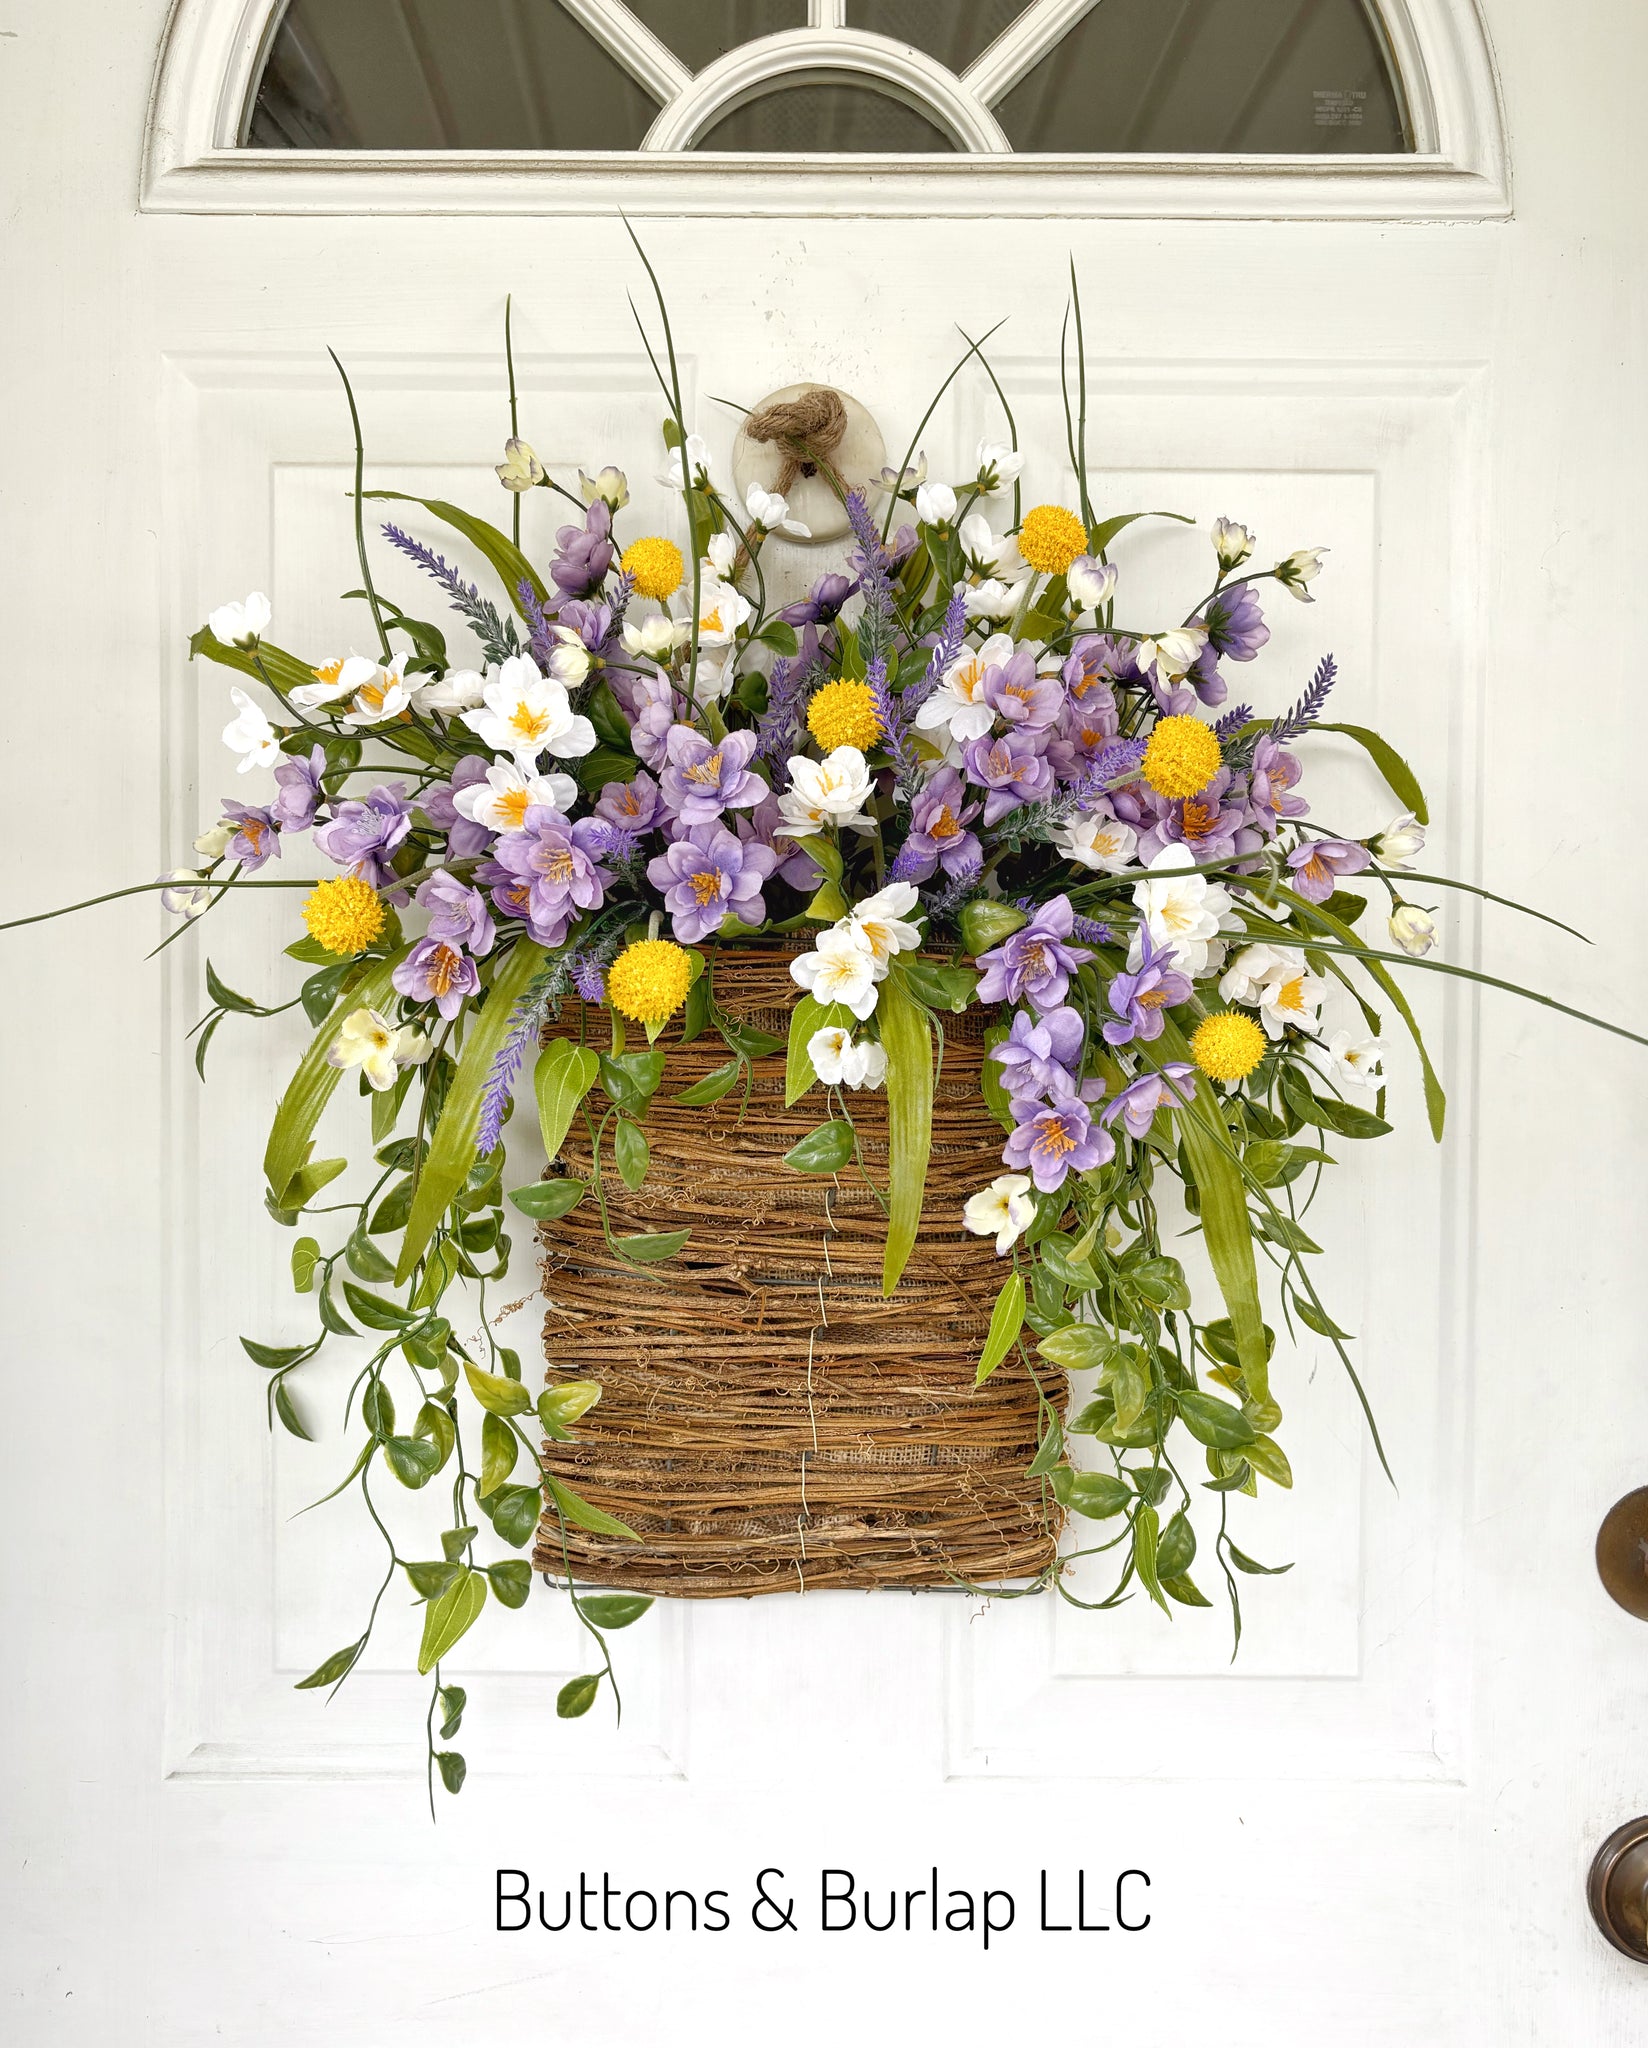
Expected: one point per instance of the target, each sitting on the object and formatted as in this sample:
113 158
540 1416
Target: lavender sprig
537 619
1230 725
946 649
961 885
1309 707
1120 758
875 627
895 730
788 686
496 634
524 1023
1089 930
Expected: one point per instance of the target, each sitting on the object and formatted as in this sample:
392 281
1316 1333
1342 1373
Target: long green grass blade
310 1088
907 1040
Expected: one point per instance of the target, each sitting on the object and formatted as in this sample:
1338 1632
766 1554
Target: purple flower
1318 863
300 791
1041 1058
632 805
1270 785
821 604
586 552
434 972
360 836
1143 993
709 876
1014 769
592 623
795 867
1138 1103
1235 624
1056 1139
457 914
654 715
1204 678
552 856
1210 823
464 837
938 838
1034 961
1098 659
1086 727
1021 698
706 777
258 839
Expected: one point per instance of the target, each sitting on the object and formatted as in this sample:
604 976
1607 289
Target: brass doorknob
1618 1889
1622 1552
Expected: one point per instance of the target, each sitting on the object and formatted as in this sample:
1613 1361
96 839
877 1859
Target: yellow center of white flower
529 724
510 808
711 622
1291 994
370 696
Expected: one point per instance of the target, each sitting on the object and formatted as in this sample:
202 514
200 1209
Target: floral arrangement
955 773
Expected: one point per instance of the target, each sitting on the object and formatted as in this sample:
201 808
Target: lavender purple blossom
496 634
1309 707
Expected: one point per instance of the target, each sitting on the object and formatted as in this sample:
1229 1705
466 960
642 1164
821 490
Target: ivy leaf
564 1075
1215 1423
450 1702
1006 1321
1098 1495
631 1079
513 1511
577 1696
452 1768
614 1610
713 1086
560 1407
392 1212
1244 1563
940 988
632 1152
431 1580
547 1200
336 1667
1078 1348
269 1357
225 997
650 1246
575 1509
1176 1548
365 1260
500 1449
1145 1528
449 1617
289 1414
499 1396
825 1149
414 1460
374 1311
305 1258
511 1581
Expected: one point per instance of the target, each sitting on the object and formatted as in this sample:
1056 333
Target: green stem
360 527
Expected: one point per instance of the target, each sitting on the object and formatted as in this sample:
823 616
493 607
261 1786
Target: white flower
526 714
1401 839
698 461
957 704
460 689
839 1063
501 802
1299 569
992 599
935 504
721 611
1232 543
840 969
240 625
1412 930
880 923
720 552
1172 652
1182 911
520 469
1274 981
1002 1210
1091 582
340 677
907 478
768 510
608 483
657 637
250 734
998 465
1346 1062
373 1044
215 839
385 694
186 902
1094 841
991 553
568 658
833 791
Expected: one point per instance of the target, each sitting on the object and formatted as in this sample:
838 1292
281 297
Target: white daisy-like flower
1004 1210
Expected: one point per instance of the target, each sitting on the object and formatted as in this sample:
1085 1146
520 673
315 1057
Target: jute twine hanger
807 431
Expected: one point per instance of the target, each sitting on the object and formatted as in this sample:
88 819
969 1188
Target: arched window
880 77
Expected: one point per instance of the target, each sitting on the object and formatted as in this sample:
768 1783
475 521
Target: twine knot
808 430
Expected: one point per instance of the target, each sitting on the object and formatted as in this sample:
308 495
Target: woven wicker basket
768 1421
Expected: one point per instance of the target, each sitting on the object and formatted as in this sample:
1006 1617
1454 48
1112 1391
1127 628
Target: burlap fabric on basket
768 1421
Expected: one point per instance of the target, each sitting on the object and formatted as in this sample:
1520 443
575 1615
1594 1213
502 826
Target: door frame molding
212 54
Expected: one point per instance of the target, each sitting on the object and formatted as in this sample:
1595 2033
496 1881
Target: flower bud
1091 582
1412 930
215 838
1300 568
1232 543
520 469
1401 839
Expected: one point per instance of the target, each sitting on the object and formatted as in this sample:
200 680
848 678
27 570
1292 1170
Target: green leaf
500 1448
338 1665
288 1413
321 991
271 1357
365 1259
414 1460
513 1511
1269 1460
713 1086
1078 1348
496 1394
575 1509
1097 1495
1049 1454
1244 1563
746 1039
1145 1528
511 1580
907 1041
450 1702
393 1210
512 566
564 1075
1179 1586
310 1088
940 988
992 1084
1313 1319
452 1769
378 1409
374 1311
1176 1548
305 1258
452 1154
1161 1281
807 1019
331 1315
1215 1423
632 1152
1100 536
648 1247
985 924
1006 1321
225 996
434 1423
308 1181
560 1407
825 1149
1404 784
546 1200
630 1079
577 1696
432 1579
614 1610
1226 1230
449 1617
1275 1165
1128 1383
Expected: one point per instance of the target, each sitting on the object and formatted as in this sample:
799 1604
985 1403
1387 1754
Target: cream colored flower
520 469
240 625
823 793
839 969
1003 1210
380 1049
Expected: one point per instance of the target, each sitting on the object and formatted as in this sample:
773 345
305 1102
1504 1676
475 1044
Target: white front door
1374 1826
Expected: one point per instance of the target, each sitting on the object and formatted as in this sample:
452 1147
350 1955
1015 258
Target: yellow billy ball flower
1050 538
344 914
1182 757
656 565
844 714
1227 1046
648 982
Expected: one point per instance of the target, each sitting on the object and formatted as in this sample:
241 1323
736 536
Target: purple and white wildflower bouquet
954 773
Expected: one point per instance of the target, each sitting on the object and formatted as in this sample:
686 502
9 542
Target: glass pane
699 31
846 116
1274 77
443 74
953 31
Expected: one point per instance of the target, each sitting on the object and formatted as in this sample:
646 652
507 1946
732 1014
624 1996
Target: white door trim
213 50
